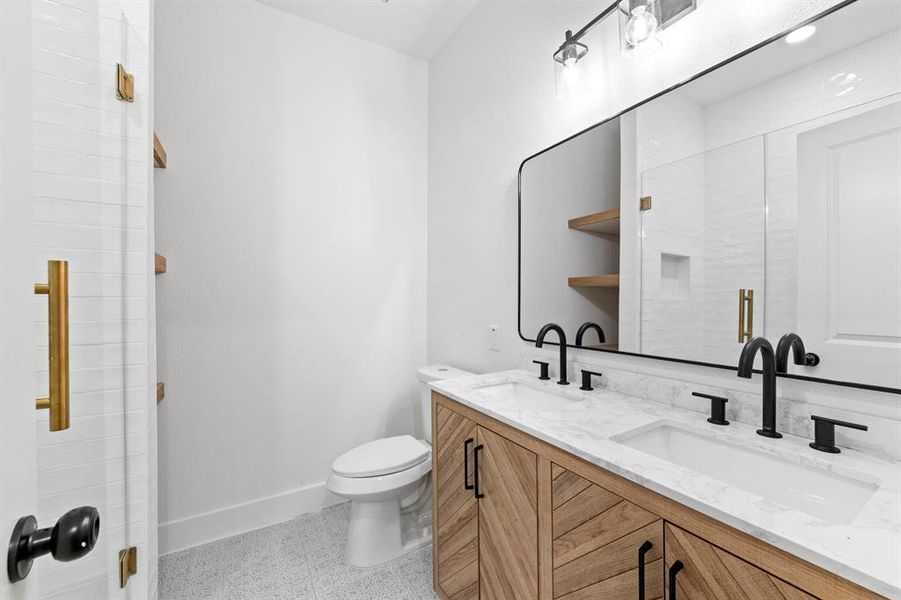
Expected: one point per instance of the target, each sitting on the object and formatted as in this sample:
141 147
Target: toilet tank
427 375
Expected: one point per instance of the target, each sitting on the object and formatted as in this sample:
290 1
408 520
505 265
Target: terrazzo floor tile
301 559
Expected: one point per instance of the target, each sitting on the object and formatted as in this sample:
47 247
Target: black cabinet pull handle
645 548
475 468
466 484
673 571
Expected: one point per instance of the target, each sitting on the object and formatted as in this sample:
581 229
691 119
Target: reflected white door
849 298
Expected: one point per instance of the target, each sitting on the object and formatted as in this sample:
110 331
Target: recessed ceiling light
800 34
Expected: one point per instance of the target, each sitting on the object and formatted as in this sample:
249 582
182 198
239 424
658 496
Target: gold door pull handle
745 315
57 291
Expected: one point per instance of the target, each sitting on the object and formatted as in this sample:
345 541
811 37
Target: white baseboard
240 518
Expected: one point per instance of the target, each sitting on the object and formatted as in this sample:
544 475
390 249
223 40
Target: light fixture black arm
577 35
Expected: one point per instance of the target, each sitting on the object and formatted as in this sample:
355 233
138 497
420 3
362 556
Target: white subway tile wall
93 207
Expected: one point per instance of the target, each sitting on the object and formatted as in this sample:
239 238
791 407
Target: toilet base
374 536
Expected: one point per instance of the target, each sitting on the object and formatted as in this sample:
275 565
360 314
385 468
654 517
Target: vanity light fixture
639 28
640 23
800 34
568 73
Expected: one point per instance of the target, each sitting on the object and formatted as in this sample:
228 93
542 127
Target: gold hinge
128 565
125 84
644 203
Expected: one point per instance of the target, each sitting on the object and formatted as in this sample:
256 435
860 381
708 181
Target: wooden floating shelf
611 346
606 222
595 281
159 153
160 392
159 263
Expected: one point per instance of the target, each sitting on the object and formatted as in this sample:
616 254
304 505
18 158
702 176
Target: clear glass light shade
639 25
571 80
568 70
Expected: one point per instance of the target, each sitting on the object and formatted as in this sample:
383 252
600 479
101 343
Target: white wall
492 103
293 216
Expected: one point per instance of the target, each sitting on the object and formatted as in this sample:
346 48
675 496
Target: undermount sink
834 497
525 397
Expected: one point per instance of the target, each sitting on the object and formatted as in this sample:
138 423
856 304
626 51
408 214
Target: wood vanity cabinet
604 546
486 511
550 526
705 572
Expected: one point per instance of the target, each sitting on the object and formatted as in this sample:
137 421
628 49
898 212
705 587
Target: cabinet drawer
711 573
597 541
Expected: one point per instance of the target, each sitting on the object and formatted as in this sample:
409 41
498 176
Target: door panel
597 536
710 573
17 414
457 510
849 193
508 519
89 207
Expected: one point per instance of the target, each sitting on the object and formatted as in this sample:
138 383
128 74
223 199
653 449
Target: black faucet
560 334
584 329
746 368
800 356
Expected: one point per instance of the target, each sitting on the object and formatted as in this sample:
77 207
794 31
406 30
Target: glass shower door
89 160
703 240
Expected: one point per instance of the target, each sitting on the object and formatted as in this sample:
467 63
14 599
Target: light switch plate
494 338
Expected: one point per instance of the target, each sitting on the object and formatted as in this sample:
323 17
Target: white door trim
17 412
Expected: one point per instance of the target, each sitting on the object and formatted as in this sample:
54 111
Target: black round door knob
74 535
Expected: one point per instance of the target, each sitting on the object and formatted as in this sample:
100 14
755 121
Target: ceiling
415 27
852 25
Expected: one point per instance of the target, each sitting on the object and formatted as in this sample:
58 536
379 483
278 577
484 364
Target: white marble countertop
867 551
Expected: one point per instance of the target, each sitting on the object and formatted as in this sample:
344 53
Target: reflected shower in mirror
761 198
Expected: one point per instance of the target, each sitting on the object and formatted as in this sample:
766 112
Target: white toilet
388 482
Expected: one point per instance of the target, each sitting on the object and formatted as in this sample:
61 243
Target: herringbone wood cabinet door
508 520
597 536
457 510
710 573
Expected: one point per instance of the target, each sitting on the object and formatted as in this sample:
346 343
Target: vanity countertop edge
866 551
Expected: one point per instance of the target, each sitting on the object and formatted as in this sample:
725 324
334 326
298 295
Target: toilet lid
382 457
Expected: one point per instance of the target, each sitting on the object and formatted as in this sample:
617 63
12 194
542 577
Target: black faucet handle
811 359
824 433
544 369
717 408
586 379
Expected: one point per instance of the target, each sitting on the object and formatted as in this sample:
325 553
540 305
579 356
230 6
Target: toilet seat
382 457
395 485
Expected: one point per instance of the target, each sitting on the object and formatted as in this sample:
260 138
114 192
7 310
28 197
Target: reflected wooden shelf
595 281
160 392
611 346
159 153
159 263
606 222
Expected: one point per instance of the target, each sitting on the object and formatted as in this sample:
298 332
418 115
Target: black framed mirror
759 197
